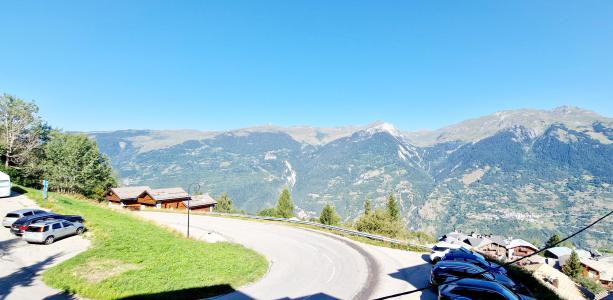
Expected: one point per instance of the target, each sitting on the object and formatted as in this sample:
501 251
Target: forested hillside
531 172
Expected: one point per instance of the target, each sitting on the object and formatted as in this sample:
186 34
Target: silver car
13 216
49 231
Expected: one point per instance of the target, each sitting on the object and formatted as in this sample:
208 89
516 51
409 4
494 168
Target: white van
5 185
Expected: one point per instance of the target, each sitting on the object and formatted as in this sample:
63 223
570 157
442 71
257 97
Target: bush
268 212
379 222
590 284
329 216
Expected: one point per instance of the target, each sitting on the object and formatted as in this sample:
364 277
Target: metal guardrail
329 227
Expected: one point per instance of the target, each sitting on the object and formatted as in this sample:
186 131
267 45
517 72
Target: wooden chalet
203 203
495 246
170 198
520 248
599 271
125 196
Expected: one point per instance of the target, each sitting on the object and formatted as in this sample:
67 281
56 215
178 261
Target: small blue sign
45 187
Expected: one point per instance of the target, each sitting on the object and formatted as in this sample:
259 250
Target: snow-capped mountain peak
383 127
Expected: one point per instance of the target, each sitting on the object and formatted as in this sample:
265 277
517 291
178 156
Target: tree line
31 150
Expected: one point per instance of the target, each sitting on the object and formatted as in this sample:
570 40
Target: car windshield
12 215
437 248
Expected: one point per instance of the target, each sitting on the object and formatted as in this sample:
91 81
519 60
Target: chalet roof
560 251
478 242
583 253
514 243
456 235
166 194
455 241
128 192
605 269
496 239
200 200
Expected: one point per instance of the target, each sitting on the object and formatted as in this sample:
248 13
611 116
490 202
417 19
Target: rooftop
129 192
166 194
200 200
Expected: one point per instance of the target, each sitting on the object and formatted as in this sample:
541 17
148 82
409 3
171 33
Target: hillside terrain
525 173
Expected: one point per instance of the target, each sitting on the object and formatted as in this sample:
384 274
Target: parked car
450 270
48 232
13 216
477 289
440 249
20 225
474 258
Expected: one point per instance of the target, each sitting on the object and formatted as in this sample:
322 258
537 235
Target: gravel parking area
21 264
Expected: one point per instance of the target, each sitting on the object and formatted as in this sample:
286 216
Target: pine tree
285 206
393 210
329 216
554 239
224 204
367 207
573 267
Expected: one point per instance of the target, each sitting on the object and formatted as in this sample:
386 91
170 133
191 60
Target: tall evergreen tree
224 204
329 216
367 207
285 206
554 239
573 267
393 210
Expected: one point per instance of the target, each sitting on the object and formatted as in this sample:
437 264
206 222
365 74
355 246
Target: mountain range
526 173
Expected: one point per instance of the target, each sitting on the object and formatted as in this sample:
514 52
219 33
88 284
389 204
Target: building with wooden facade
170 198
520 248
600 271
493 246
203 203
125 196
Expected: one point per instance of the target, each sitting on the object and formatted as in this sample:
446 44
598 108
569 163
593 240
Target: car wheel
80 230
49 240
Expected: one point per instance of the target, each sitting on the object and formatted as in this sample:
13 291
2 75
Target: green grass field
133 258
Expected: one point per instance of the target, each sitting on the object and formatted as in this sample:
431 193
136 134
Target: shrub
329 216
590 284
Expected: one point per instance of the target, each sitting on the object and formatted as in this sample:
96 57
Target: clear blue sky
102 65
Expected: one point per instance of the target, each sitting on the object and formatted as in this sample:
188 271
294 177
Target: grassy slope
155 262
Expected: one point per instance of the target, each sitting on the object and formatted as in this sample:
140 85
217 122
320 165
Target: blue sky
104 65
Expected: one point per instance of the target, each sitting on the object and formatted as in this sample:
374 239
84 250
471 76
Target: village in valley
547 267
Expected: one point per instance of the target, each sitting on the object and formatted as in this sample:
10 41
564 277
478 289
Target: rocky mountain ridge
535 169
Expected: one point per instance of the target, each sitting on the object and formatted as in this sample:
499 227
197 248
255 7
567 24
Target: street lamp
196 187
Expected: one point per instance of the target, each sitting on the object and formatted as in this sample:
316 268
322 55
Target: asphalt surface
310 264
21 264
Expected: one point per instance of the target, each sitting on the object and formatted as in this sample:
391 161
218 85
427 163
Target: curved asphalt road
310 264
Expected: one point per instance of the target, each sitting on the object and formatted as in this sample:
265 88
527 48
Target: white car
440 249
13 216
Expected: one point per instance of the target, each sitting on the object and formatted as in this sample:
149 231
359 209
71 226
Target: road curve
309 264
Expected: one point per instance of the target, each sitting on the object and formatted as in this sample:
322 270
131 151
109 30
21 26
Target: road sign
45 187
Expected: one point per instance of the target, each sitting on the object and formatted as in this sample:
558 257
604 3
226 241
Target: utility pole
196 187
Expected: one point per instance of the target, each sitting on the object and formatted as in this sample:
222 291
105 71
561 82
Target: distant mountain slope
535 120
526 172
